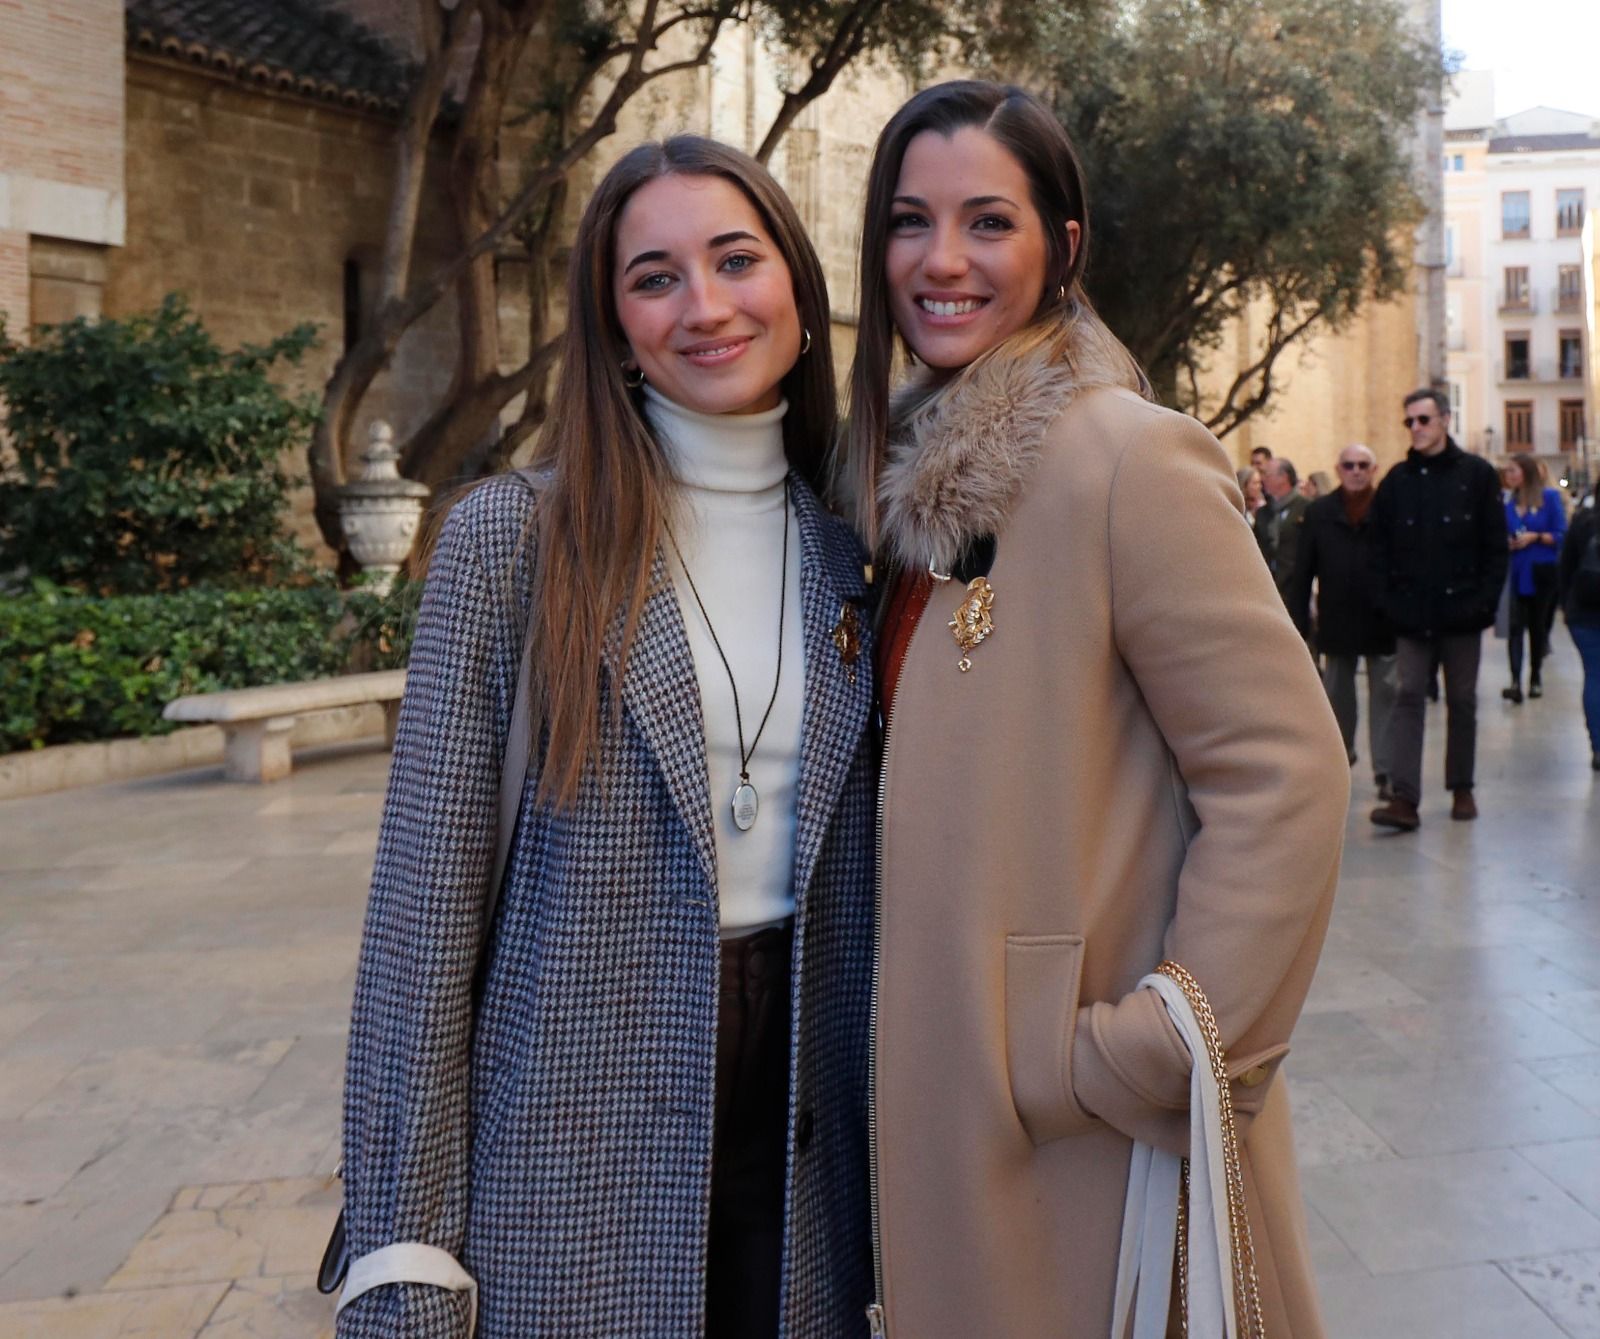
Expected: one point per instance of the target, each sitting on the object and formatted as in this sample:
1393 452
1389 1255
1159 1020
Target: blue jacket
1548 518
559 1143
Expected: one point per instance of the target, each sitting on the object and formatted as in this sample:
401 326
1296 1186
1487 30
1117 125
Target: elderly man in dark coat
1347 623
1279 521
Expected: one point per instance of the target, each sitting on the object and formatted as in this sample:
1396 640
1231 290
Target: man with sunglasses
1438 560
1335 544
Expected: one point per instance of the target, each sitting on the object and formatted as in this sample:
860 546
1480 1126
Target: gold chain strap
1246 1286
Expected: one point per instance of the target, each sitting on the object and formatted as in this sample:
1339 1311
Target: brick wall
251 205
14 283
61 91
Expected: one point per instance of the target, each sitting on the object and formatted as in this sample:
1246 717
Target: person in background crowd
1439 558
1260 458
1536 521
1315 485
1578 586
1347 624
1279 520
1250 485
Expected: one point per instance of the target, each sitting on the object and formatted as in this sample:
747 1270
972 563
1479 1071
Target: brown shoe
1398 814
1465 808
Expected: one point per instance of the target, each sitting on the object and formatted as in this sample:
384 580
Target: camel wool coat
1140 764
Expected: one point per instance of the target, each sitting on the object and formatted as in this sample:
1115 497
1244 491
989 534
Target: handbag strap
1194 1205
410 1262
519 747
513 777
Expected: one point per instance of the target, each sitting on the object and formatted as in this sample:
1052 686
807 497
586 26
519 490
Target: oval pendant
745 803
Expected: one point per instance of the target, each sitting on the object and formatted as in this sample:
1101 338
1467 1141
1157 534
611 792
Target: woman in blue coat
1536 521
634 1105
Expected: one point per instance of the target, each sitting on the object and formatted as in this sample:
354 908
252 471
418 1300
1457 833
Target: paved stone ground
176 959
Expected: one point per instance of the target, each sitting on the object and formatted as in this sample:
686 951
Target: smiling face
703 296
967 253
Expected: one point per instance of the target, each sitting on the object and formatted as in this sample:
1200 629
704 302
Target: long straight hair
601 513
1064 318
1530 493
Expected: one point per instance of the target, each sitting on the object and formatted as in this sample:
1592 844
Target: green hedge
76 668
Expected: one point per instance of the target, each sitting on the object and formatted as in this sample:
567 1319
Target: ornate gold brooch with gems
846 636
974 623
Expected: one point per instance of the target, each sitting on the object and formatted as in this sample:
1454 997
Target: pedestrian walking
1438 562
652 1123
1097 718
1578 584
1250 486
1342 611
1279 522
1536 522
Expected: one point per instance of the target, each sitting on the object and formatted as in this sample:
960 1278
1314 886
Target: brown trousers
744 1271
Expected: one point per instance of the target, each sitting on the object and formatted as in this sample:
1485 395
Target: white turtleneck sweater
729 529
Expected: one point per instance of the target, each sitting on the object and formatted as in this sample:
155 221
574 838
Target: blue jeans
1587 640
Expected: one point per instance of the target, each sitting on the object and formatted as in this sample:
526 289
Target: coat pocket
1042 982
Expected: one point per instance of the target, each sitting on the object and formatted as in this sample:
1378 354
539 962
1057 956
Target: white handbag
1193 1206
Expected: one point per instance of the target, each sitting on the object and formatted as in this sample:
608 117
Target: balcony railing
1533 372
1522 304
1566 300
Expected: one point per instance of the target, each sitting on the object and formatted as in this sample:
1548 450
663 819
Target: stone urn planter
380 511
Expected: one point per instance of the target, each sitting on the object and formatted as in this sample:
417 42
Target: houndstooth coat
559 1144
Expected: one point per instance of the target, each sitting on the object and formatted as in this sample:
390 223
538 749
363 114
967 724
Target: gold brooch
973 623
847 638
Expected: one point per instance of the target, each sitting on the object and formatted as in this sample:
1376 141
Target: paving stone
159 1313
1566 1287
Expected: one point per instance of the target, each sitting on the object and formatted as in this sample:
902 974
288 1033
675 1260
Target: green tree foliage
145 458
549 81
1244 152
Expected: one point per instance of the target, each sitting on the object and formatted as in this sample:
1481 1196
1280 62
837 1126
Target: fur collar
958 455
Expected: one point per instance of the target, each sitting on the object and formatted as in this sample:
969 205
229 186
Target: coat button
1255 1076
804 1128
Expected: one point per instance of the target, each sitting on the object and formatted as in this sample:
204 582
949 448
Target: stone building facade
1519 191
62 193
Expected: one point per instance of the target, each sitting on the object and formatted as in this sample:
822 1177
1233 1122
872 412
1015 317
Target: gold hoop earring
805 346
632 377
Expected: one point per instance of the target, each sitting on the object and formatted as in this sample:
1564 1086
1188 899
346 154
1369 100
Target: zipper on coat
876 1321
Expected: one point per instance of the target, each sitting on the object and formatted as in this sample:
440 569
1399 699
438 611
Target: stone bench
256 721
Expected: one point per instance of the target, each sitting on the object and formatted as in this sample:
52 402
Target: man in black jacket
1333 553
1438 561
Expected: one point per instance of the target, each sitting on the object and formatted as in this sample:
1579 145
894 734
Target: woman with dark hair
632 1103
1106 752
1578 583
1536 521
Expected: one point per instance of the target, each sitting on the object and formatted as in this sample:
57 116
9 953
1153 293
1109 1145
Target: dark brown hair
1441 401
1530 492
1025 128
600 515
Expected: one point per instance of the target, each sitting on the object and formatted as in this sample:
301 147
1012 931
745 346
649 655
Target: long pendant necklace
746 802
